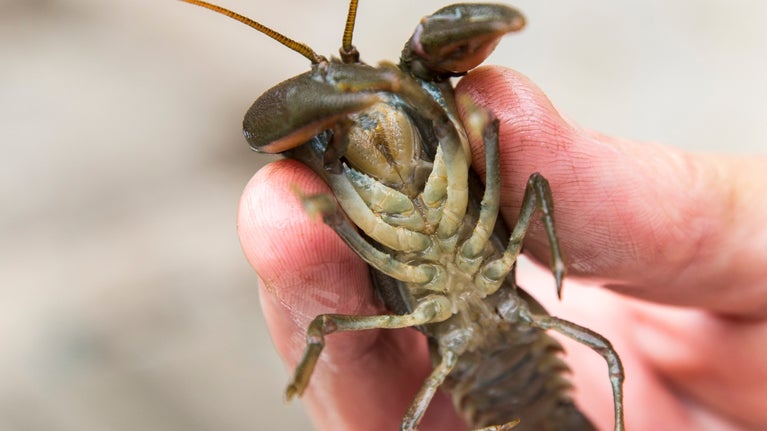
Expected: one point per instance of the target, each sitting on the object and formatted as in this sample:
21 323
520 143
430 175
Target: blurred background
125 302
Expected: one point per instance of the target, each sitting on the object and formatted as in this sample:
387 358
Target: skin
675 241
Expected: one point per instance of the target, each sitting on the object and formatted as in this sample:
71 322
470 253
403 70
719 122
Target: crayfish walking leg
537 196
598 343
431 309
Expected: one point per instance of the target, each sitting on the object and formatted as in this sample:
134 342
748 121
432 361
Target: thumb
654 222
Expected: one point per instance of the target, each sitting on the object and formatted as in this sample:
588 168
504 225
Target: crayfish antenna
296 46
349 53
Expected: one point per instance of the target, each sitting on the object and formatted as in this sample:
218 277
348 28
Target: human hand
653 224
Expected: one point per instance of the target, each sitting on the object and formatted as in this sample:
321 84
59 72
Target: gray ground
125 303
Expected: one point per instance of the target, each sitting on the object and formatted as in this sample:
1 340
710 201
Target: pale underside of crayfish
389 142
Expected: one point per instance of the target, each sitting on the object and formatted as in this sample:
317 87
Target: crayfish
388 141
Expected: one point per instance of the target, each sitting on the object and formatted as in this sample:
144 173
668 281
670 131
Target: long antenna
349 53
298 47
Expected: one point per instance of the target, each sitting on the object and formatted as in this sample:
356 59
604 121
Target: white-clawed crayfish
389 142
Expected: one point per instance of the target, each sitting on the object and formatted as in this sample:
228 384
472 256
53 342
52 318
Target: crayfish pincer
389 142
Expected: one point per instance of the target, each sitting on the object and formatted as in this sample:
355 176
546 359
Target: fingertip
634 213
306 270
269 212
511 96
300 261
533 136
590 176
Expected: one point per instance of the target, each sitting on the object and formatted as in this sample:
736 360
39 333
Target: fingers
658 223
364 380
